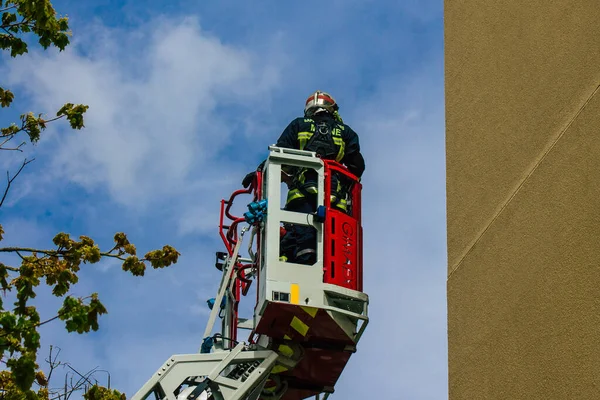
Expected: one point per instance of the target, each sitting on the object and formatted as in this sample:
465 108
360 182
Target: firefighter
322 131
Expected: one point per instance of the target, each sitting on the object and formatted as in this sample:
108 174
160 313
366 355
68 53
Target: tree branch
9 137
35 325
13 269
7 32
7 8
15 24
29 250
80 382
46 321
24 126
52 362
18 148
10 180
56 253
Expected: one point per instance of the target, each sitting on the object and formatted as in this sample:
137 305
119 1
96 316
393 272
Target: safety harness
325 140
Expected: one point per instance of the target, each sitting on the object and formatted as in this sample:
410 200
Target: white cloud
156 98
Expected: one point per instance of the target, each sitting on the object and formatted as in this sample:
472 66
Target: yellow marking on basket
294 293
310 310
299 326
278 369
285 350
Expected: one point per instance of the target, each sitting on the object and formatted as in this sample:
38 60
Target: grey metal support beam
225 281
227 375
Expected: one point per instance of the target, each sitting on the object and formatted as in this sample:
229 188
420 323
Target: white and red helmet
320 101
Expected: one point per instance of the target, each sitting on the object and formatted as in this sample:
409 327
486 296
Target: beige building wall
523 205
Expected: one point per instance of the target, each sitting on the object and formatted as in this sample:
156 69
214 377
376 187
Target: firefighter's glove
248 179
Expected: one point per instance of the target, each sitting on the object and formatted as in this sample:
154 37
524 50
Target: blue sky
184 100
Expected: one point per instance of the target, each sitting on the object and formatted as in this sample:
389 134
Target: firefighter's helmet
319 101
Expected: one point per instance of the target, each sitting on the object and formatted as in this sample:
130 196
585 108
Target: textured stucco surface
523 199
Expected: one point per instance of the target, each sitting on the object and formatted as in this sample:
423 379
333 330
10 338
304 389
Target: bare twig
7 8
107 373
18 148
81 380
7 32
70 387
52 362
53 119
10 180
8 138
47 321
20 256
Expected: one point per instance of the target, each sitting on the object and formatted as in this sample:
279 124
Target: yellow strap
293 195
303 138
338 141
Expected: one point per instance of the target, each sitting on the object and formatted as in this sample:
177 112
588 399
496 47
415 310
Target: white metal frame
209 371
348 307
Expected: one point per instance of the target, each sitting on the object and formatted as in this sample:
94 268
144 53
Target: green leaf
8 18
91 254
121 239
15 44
101 393
62 240
23 369
11 130
6 97
33 126
63 24
31 339
74 114
3 278
80 317
8 321
134 265
162 258
61 41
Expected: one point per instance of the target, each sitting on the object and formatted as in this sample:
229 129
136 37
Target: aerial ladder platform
307 319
